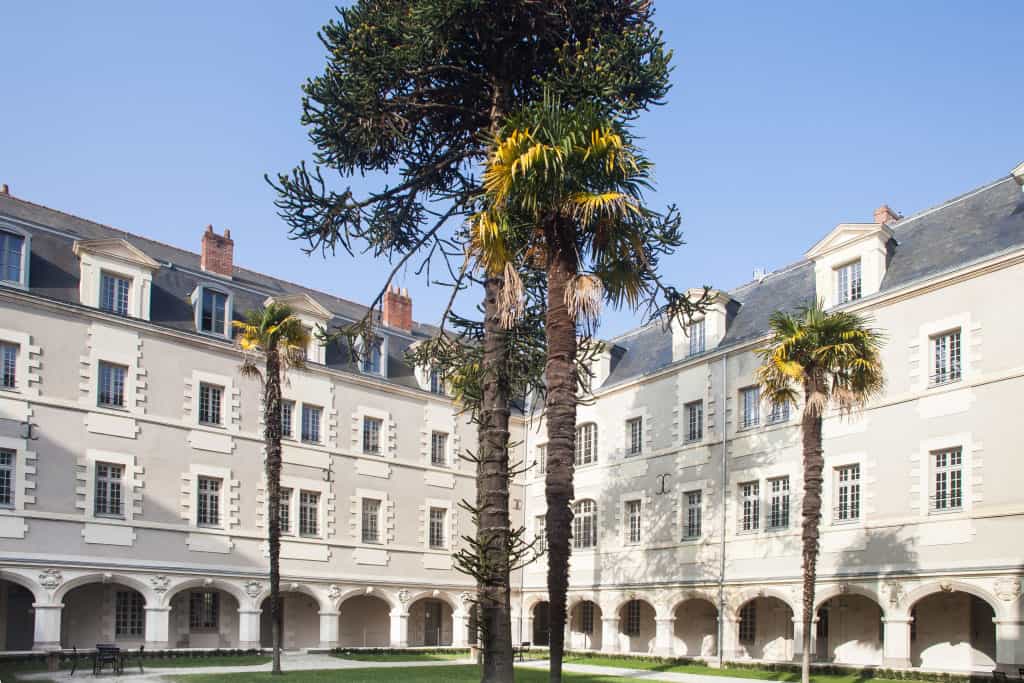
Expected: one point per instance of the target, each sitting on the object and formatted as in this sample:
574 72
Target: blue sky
784 119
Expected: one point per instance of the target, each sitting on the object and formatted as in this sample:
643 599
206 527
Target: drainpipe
725 493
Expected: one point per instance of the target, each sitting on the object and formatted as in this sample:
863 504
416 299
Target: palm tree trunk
814 463
272 437
493 533
560 378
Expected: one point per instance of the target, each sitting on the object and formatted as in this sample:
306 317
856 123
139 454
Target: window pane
208 502
439 449
371 520
694 421
214 312
110 391
437 521
635 431
311 423
107 498
8 365
751 398
8 458
696 334
114 293
309 513
210 397
371 435
287 408
11 247
284 511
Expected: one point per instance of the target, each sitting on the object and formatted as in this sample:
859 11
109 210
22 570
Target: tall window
696 333
8 365
309 513
632 626
108 500
284 511
748 623
371 435
779 413
750 498
204 611
848 493
439 449
633 519
373 357
584 524
114 293
436 381
210 399
110 392
437 520
540 532
778 503
694 421
8 460
848 283
946 354
948 475
287 411
129 613
587 617
311 423
693 515
586 444
635 431
11 248
208 502
750 400
542 459
213 314
371 520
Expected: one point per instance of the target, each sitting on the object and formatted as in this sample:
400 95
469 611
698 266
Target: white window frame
586 452
26 250
749 507
633 514
26 369
947 467
102 475
311 409
584 536
207 494
382 371
381 522
197 305
849 281
304 516
285 508
289 419
221 391
386 439
437 529
779 413
693 508
229 400
697 337
691 436
368 436
117 278
635 436
447 506
925 465
228 510
131 494
439 448
126 397
748 419
9 472
848 501
946 351
9 375
540 460
779 507
540 532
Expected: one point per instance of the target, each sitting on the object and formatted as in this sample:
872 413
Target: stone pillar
609 634
328 629
1009 644
518 634
47 634
798 639
158 620
663 636
896 651
528 629
730 638
249 629
399 628
460 629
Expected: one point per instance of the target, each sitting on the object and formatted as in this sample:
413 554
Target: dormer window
213 312
851 260
115 276
696 333
436 381
114 293
373 358
313 316
12 258
848 282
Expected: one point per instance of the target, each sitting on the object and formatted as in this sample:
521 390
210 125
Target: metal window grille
11 247
208 502
693 514
848 493
696 333
946 368
8 460
586 444
371 435
584 524
210 397
632 618
287 410
213 316
111 387
748 623
437 535
635 428
587 617
114 293
309 513
439 449
204 611
779 413
947 469
129 614
284 511
371 520
540 525
751 398
694 421
848 282
8 365
778 503
372 357
750 494
311 423
108 499
633 515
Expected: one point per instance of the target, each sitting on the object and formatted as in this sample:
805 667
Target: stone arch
695 626
39 594
636 634
323 602
434 616
837 590
143 589
244 600
949 586
740 598
300 617
443 596
667 609
90 608
532 600
577 598
350 593
620 601
953 627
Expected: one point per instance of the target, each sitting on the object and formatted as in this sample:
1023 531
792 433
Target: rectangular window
204 611
778 503
748 623
108 499
11 247
129 613
847 493
437 520
779 413
635 429
540 532
948 475
8 460
693 515
372 358
750 400
750 498
587 616
694 421
436 381
542 460
309 513
110 392
696 333
287 410
284 511
633 518
848 283
213 315
371 435
946 354
210 398
371 520
439 449
208 502
586 444
8 365
632 626
114 293
311 423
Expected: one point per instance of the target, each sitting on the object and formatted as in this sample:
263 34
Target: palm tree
833 357
563 195
282 339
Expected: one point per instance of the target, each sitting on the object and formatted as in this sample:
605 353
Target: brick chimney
884 214
398 309
218 252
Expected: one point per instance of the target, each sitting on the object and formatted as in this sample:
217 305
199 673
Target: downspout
725 493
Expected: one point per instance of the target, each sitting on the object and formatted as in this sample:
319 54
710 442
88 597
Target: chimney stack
398 309
884 214
218 252
5 190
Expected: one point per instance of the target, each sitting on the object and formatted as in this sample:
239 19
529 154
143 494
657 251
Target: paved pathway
642 674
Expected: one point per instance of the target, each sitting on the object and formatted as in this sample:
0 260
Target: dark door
432 623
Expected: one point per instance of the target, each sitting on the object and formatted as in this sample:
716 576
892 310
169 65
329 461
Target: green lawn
188 662
431 674
403 656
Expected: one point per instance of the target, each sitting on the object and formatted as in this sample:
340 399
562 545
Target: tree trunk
560 377
272 438
494 594
814 462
